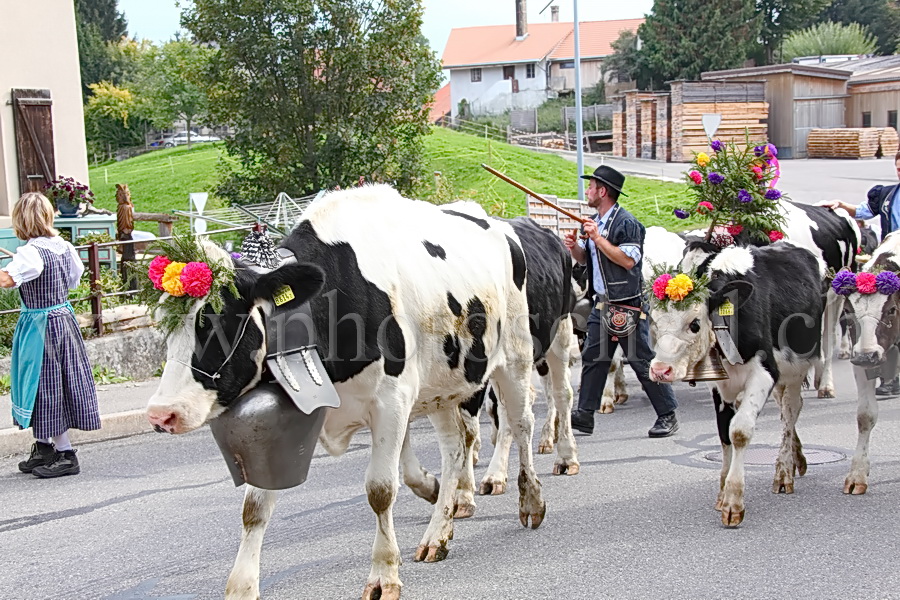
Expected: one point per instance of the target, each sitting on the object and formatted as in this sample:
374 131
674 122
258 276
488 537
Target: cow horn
708 369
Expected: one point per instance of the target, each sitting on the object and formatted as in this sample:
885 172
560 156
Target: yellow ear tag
726 309
283 294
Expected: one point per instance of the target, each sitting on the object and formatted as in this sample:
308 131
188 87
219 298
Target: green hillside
160 181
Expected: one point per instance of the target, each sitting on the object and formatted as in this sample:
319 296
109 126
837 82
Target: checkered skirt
66 396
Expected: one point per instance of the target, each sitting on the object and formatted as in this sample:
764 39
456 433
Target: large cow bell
708 369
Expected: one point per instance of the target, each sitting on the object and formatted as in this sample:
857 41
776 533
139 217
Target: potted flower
67 195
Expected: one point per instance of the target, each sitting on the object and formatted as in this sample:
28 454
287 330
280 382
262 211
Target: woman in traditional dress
52 383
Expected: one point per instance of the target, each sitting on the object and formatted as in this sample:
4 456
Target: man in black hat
612 251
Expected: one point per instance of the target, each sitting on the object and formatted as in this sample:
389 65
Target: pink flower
197 278
865 283
775 235
156 270
706 205
735 229
758 171
659 286
696 177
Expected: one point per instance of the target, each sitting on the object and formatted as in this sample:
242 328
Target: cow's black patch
724 414
480 222
475 363
435 250
830 234
452 350
473 405
455 306
393 347
518 262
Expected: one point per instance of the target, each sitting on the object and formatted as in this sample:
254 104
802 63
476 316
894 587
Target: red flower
696 177
758 171
156 270
775 235
735 229
659 286
705 205
196 278
865 283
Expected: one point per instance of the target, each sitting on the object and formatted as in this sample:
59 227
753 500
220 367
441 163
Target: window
568 64
509 72
529 74
867 119
476 75
892 119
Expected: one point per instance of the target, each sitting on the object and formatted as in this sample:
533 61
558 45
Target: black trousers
597 356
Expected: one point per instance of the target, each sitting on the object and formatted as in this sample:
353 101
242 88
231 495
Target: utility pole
579 125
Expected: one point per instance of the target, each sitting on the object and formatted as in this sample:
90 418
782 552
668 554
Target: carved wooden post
96 290
124 227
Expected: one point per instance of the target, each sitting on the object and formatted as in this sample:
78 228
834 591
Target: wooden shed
800 98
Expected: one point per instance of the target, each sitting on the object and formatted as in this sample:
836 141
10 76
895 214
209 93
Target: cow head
211 359
876 327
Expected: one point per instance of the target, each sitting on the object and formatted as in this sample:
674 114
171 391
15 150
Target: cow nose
164 420
661 373
866 359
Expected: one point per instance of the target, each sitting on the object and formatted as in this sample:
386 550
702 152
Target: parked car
179 139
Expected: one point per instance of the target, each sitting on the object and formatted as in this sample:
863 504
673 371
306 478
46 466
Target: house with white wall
41 112
507 67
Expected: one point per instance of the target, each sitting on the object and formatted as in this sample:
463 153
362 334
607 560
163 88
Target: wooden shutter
34 138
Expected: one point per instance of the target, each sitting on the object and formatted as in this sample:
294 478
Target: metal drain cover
767 455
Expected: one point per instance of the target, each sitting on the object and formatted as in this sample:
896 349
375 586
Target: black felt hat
608 176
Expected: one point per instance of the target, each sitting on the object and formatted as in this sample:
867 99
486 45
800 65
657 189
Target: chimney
554 14
521 20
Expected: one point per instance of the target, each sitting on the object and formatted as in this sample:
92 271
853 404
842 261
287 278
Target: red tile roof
497 44
441 104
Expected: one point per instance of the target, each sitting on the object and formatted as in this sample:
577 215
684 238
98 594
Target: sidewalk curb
15 441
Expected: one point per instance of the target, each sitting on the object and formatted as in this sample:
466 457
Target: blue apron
27 360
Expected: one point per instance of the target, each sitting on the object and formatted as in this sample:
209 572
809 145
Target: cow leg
550 430
451 436
422 483
558 388
516 396
465 490
382 481
615 391
243 582
789 399
824 380
724 414
866 417
846 342
755 391
495 478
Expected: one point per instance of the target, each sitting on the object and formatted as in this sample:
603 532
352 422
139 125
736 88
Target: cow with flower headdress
873 296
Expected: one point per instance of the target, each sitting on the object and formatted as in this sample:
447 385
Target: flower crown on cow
673 290
734 189
181 275
865 282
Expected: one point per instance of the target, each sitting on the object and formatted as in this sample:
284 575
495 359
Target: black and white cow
875 329
777 291
421 307
834 238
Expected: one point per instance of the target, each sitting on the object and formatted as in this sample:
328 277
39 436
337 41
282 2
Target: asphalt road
156 516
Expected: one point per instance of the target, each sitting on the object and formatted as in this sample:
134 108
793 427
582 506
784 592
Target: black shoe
66 463
665 426
888 388
42 454
583 421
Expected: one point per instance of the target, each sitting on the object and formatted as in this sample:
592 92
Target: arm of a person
853 210
579 254
5 280
76 268
614 253
25 266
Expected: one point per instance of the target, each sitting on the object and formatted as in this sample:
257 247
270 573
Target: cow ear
737 291
290 285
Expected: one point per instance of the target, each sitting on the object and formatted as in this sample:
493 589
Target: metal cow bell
268 436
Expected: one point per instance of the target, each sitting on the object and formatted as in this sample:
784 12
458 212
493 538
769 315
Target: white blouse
27 264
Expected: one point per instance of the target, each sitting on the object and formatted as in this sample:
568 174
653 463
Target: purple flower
235 255
715 178
744 196
759 150
887 283
844 283
717 146
772 150
773 194
681 214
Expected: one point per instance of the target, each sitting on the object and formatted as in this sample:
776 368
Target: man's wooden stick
515 183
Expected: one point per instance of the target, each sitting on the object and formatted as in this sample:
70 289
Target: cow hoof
826 393
855 488
464 511
545 447
432 554
782 487
606 409
563 467
492 488
375 591
431 496
843 355
536 518
621 399
731 516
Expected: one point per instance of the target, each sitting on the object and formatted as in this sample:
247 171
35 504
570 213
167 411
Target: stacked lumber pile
620 139
739 119
890 142
861 142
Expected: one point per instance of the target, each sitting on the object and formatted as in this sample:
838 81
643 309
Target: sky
157 20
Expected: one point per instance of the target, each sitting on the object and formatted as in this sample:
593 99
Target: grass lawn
160 181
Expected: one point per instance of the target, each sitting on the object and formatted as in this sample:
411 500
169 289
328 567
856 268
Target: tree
683 38
882 17
779 19
103 16
627 62
829 38
320 92
111 119
98 23
168 83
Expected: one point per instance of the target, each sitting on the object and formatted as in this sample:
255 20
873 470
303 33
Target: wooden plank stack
861 142
890 142
739 119
554 220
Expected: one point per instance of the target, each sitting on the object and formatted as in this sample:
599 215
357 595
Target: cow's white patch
661 248
733 261
693 259
677 347
890 246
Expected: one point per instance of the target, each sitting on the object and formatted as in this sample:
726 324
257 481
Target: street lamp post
579 124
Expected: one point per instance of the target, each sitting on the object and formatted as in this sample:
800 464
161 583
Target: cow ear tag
726 309
283 295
